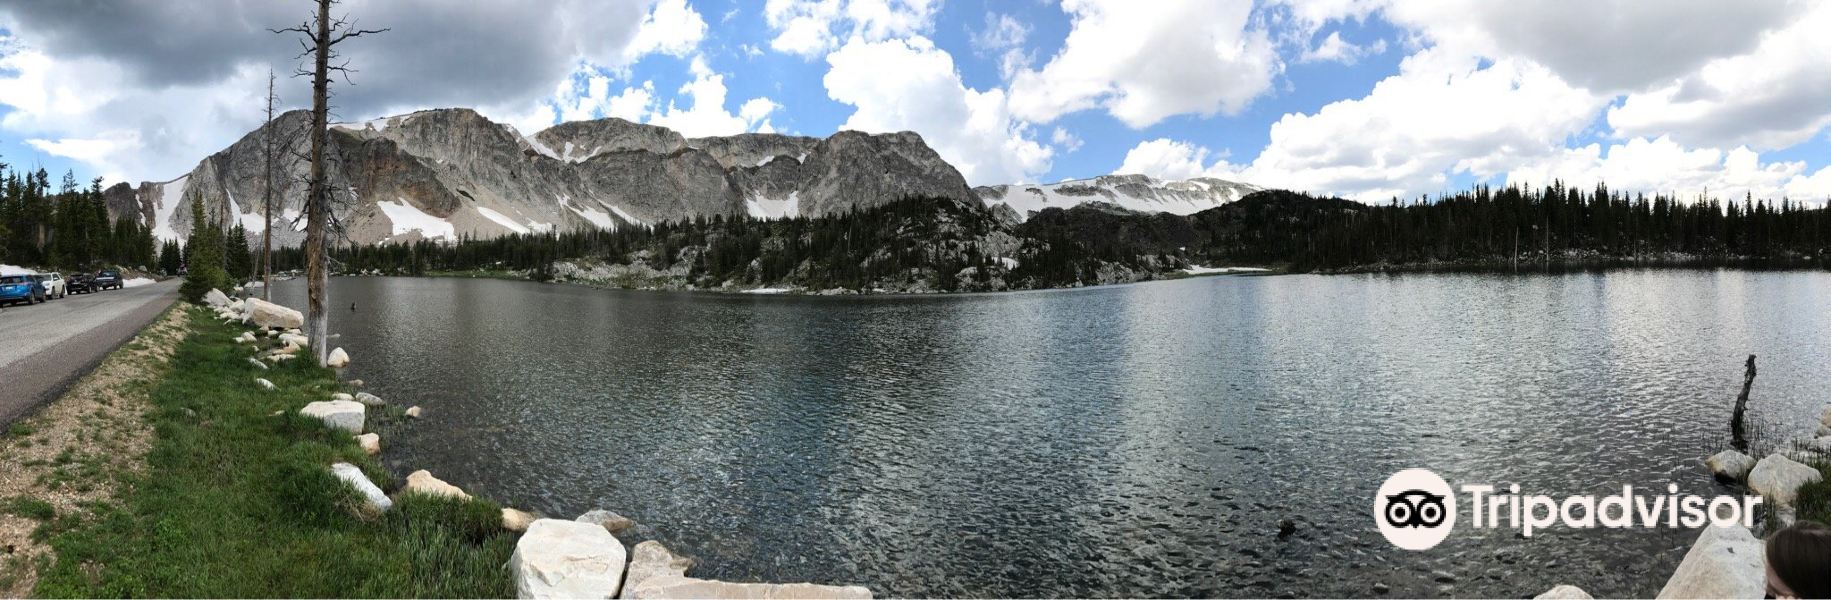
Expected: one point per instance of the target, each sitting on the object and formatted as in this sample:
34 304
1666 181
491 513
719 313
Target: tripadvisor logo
1415 509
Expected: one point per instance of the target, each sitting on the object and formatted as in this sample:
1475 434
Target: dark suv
79 283
107 280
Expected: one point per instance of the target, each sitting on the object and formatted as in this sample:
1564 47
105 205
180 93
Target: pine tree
205 265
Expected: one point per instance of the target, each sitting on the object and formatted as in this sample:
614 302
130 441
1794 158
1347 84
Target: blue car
21 288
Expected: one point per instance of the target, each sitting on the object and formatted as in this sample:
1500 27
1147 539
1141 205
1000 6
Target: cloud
909 84
1441 114
1334 49
1003 36
1068 142
1662 165
809 28
189 79
1145 61
706 114
672 28
1164 158
1773 96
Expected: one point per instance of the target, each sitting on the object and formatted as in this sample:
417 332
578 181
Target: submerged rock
1779 478
374 500
1564 592
340 414
567 559
1730 465
423 482
610 521
1725 562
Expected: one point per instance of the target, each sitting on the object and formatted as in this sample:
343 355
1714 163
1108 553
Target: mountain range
451 173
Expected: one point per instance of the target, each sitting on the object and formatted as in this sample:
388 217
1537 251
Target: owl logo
1415 508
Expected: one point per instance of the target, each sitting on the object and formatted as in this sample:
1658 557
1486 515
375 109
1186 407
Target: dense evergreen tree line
68 229
944 240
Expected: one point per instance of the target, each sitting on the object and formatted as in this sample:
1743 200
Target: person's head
1799 562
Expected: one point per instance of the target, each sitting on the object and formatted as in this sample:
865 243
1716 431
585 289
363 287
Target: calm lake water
1140 440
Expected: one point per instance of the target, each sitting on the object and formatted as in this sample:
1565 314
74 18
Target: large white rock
338 359
650 559
294 340
423 482
341 414
268 314
1564 592
215 298
674 586
372 497
1730 465
1725 562
567 559
1779 478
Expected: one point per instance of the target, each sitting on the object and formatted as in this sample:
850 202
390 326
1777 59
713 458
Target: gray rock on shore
1564 592
567 559
1779 478
1730 465
268 314
340 414
1725 562
374 501
368 399
610 521
649 560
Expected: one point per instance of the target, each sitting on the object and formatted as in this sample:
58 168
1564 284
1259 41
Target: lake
1138 440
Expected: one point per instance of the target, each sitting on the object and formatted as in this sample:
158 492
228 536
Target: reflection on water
1138 440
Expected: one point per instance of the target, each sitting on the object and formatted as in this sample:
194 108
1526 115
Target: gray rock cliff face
1134 192
447 173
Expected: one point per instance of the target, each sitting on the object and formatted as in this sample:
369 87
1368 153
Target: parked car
54 285
21 289
108 280
80 283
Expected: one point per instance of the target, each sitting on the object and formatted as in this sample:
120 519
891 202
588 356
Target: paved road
46 347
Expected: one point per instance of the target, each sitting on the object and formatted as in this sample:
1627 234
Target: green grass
1814 500
30 508
237 502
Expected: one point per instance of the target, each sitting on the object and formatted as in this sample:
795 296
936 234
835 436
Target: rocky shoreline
1730 561
553 558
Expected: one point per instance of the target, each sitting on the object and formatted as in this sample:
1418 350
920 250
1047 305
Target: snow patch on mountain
774 208
405 218
1133 192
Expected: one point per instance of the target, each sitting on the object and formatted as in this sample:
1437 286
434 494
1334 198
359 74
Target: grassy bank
235 500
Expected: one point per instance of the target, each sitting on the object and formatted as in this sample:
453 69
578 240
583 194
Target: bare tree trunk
317 205
267 202
1737 431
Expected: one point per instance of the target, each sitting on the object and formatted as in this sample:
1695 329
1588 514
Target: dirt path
79 449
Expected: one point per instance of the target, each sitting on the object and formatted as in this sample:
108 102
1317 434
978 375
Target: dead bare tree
319 41
267 198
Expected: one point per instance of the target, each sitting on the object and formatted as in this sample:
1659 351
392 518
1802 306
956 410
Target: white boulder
264 383
1730 465
294 340
649 560
567 559
1564 592
338 359
373 499
339 414
1779 478
257 363
414 412
215 298
370 443
268 314
369 399
342 396
422 482
1725 562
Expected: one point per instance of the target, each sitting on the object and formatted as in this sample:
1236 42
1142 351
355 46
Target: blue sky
1364 98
